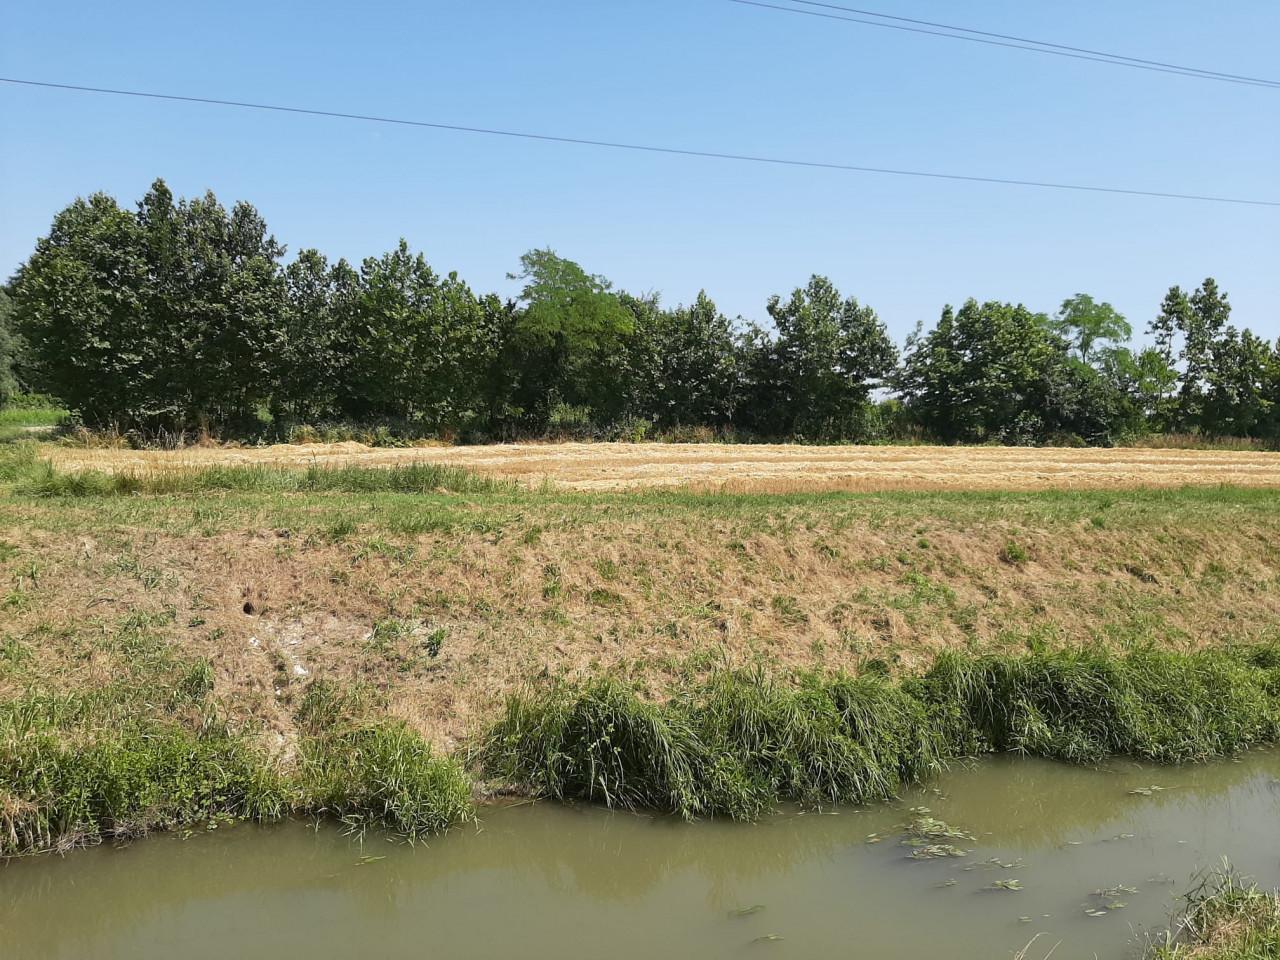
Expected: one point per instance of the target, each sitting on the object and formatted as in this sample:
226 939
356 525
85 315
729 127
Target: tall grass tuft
1225 919
599 741
78 769
383 774
135 756
1087 705
791 742
374 772
739 741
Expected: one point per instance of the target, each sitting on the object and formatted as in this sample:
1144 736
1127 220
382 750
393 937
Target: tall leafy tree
684 362
832 352
317 342
216 296
1146 380
81 303
569 337
423 344
988 371
1238 386
1087 325
1191 333
10 347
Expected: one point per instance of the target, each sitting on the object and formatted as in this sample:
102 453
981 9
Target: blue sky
703 74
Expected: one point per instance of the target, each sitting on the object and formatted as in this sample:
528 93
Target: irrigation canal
1094 859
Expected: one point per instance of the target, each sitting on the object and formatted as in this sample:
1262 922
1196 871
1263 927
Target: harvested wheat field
740 467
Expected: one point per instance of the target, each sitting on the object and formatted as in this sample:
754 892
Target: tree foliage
10 348
1084 324
183 315
831 353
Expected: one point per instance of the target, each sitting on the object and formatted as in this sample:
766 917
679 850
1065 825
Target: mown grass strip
42 479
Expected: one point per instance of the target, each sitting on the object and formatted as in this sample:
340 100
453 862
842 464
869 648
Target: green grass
119 762
41 479
740 741
430 497
385 775
1226 919
18 421
151 751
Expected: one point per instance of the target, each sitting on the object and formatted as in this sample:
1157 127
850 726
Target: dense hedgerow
182 319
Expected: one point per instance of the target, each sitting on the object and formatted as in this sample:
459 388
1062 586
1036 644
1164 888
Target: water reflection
549 881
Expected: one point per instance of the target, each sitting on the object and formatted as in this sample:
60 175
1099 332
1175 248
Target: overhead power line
647 148
989 38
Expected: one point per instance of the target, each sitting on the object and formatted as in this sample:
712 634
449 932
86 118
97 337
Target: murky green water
548 882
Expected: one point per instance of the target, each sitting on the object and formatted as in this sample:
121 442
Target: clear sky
703 74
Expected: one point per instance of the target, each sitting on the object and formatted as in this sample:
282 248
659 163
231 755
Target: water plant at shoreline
125 760
738 742
367 772
1225 918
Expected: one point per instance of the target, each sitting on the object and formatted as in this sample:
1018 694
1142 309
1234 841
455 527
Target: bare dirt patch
754 467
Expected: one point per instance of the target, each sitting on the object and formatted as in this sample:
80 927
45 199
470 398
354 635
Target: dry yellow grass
261 587
762 467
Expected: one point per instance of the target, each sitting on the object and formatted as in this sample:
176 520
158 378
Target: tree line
181 315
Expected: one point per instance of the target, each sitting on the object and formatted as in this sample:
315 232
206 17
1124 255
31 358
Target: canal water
1090 861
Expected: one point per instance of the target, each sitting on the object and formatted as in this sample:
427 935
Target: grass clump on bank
79 768
130 758
375 773
739 741
1225 920
1084 706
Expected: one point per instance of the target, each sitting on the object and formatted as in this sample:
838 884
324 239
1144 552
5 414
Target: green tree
1146 379
993 371
1190 333
81 308
832 352
422 345
1238 386
10 347
317 343
683 361
568 339
215 302
1085 324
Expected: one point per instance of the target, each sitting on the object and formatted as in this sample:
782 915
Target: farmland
446 601
387 637
765 468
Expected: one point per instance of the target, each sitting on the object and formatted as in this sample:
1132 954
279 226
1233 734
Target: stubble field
741 467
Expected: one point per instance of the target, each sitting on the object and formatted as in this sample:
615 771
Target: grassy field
446 591
312 640
17 423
